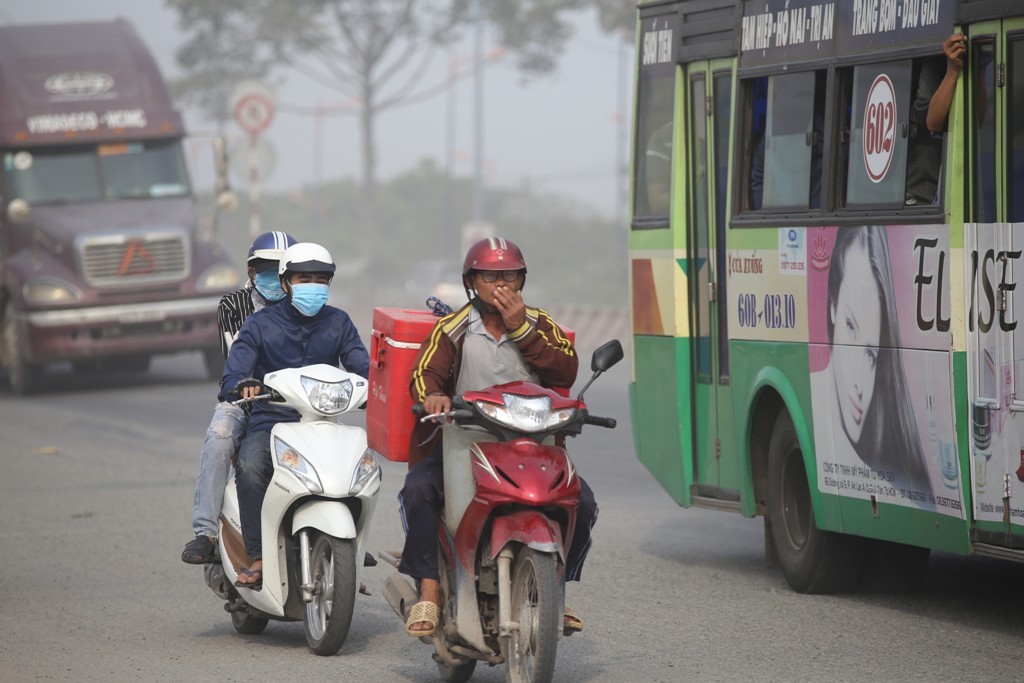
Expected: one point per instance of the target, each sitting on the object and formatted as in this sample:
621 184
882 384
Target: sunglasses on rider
493 275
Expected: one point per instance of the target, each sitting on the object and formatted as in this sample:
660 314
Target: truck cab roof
82 82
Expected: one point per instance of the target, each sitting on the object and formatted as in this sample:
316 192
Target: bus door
709 95
993 81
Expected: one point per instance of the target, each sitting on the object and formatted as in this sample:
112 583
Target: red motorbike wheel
538 604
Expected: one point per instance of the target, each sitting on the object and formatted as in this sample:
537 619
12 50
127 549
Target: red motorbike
510 512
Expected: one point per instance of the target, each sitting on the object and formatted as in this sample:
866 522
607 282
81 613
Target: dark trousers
421 501
252 477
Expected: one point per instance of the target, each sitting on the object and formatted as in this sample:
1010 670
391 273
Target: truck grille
130 259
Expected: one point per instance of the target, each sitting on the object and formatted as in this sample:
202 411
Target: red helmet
494 253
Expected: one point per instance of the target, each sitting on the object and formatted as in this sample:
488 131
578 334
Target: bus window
877 150
785 162
654 146
982 54
756 96
924 150
1016 90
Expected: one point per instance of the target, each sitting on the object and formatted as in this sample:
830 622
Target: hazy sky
559 132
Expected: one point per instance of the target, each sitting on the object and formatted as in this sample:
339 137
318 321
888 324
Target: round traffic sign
254 112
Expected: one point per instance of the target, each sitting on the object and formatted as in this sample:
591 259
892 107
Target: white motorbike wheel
332 565
538 605
248 625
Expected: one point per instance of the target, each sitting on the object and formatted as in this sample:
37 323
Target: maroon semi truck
102 262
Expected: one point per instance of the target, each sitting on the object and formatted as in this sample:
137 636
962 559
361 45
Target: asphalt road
95 502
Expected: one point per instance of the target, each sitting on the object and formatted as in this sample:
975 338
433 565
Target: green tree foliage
575 254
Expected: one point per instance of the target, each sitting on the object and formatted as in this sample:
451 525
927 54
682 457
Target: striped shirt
232 311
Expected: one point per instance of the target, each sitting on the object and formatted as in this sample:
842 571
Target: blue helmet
270 246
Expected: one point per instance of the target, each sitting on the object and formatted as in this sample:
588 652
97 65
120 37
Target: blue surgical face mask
268 284
309 297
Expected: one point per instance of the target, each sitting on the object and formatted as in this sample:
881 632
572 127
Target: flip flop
255 585
423 611
571 623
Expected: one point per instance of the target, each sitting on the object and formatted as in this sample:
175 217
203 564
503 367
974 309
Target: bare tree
373 54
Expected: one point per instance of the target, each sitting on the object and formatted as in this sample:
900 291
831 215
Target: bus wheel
812 560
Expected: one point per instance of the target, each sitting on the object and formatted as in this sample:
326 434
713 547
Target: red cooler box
395 341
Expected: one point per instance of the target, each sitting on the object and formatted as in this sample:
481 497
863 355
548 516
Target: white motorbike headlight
329 398
526 414
292 460
366 470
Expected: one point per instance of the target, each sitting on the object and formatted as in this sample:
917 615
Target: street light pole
478 127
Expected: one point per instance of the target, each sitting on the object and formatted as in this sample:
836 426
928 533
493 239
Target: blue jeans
222 436
252 477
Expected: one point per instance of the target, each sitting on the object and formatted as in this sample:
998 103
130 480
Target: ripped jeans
222 436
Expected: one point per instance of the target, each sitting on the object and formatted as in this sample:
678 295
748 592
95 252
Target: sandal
199 550
571 623
423 611
255 584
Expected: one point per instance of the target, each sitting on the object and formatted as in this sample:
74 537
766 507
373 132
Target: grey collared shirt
487 361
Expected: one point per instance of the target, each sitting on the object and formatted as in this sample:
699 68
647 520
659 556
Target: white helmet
305 257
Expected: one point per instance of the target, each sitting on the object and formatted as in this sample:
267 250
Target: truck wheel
135 365
812 560
213 360
21 375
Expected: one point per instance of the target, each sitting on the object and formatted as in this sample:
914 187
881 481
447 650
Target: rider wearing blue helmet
227 427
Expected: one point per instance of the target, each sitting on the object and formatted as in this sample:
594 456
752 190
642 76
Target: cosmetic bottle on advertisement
982 443
944 449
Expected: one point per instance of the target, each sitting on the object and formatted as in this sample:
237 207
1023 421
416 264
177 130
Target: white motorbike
315 516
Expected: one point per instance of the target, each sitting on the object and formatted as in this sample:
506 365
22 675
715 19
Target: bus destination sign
782 31
659 37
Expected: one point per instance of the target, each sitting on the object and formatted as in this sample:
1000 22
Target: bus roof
768 32
82 82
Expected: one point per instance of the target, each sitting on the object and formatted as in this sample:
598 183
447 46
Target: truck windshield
98 172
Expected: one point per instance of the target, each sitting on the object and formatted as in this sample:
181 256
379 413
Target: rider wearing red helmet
495 338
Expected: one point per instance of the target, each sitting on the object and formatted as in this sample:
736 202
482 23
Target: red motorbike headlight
525 414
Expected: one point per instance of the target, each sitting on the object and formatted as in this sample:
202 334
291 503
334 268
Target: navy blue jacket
279 337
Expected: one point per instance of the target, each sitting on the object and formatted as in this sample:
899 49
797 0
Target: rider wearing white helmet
302 331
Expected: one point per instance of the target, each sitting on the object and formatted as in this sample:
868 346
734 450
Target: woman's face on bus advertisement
857 316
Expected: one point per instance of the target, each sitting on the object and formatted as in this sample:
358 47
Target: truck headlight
218 278
51 291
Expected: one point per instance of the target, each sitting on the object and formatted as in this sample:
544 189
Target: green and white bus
824 282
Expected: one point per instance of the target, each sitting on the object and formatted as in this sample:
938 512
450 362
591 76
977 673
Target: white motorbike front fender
329 516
